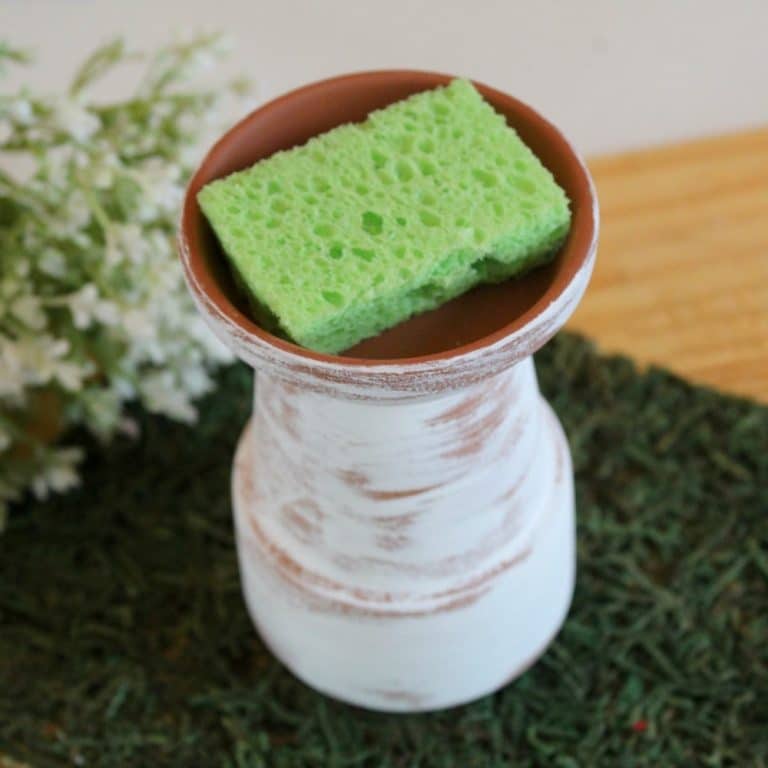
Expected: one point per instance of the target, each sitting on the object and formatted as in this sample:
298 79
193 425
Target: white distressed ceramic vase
404 512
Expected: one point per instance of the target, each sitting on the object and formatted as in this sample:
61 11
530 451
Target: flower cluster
93 309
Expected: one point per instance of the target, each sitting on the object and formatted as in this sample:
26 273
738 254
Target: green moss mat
124 641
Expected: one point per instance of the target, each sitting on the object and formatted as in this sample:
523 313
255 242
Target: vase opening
476 319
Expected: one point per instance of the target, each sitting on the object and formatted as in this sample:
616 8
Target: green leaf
9 212
97 65
15 55
170 66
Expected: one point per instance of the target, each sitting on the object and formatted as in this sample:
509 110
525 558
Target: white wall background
612 73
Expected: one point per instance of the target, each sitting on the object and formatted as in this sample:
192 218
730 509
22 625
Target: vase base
402 662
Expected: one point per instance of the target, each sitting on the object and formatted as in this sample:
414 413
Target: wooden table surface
682 269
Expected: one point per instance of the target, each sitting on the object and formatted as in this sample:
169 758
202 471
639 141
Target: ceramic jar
404 512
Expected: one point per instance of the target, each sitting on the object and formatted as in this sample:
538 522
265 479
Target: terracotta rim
577 250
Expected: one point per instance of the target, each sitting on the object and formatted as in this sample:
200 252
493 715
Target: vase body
406 555
404 511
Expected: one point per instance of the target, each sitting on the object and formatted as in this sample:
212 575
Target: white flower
52 263
72 217
191 155
81 159
162 110
87 307
102 175
102 409
21 111
93 304
201 62
28 309
162 395
78 210
147 211
195 380
156 169
123 388
138 324
58 472
39 359
71 375
154 351
127 241
161 191
75 120
57 164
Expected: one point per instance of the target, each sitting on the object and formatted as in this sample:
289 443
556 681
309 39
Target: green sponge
365 225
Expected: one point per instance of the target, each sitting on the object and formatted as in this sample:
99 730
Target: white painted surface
405 528
611 74
392 560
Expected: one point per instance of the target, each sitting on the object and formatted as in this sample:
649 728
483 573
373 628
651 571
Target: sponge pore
365 225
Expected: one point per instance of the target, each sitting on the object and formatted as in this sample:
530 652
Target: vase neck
387 450
385 494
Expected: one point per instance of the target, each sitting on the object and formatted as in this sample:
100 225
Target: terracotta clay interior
477 317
